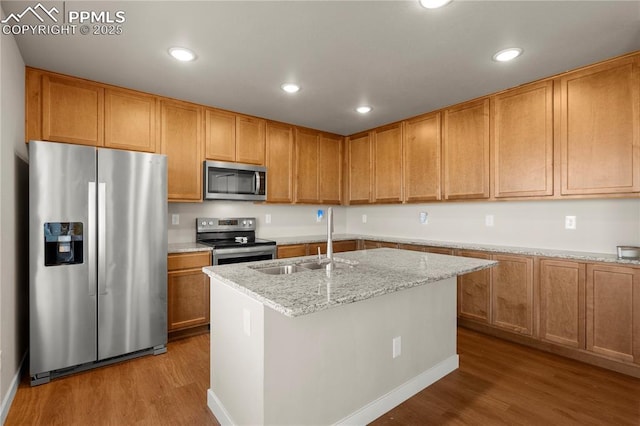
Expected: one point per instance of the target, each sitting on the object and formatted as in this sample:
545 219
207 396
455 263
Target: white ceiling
394 55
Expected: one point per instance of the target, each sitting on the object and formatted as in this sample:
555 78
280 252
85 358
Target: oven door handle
243 250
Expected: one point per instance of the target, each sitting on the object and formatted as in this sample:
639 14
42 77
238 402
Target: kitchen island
331 347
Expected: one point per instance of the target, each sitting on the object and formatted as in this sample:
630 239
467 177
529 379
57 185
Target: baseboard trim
217 409
387 402
374 409
13 389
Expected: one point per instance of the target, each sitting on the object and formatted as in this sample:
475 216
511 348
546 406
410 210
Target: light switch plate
364 218
488 220
267 218
397 346
175 219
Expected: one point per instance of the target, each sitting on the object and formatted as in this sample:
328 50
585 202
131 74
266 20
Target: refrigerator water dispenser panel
63 243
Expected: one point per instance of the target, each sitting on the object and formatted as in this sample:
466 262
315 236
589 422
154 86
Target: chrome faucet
330 239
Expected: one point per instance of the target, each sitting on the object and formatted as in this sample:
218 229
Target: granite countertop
187 248
526 251
360 275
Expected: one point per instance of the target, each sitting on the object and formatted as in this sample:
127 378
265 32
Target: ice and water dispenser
63 243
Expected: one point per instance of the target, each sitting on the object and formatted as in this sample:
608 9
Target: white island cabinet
341 347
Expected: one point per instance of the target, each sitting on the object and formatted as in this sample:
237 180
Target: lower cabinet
474 300
613 312
562 302
188 293
370 244
296 250
512 293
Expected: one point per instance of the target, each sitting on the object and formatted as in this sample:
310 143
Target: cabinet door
474 291
307 166
438 250
279 163
512 293
359 169
613 311
421 150
220 135
130 120
292 250
72 111
466 151
600 129
522 141
562 302
330 169
181 140
188 299
387 164
250 140
342 246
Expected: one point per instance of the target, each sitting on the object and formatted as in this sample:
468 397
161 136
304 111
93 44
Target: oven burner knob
250 222
210 223
244 223
203 223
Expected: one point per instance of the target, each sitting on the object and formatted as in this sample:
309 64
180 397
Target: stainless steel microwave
234 181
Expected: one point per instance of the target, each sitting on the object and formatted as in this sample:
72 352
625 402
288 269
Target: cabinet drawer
188 260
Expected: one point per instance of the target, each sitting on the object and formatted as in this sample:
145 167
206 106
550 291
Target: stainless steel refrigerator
97 257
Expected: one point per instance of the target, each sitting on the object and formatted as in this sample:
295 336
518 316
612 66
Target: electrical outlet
267 218
397 346
569 222
175 219
364 218
488 220
424 218
319 215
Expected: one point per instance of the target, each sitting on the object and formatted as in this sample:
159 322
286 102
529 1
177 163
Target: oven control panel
213 224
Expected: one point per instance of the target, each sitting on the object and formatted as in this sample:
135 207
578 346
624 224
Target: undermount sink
300 267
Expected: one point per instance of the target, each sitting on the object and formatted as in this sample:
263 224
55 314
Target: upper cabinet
130 120
387 164
181 140
421 151
359 168
280 163
466 151
72 111
522 141
233 137
318 167
600 128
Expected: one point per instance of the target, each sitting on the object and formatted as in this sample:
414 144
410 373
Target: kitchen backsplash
601 225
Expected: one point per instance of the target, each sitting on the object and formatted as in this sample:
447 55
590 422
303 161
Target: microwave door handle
257 183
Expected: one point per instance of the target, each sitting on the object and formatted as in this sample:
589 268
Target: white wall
14 274
286 220
601 224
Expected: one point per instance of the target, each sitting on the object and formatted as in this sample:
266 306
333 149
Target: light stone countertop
374 273
526 251
187 248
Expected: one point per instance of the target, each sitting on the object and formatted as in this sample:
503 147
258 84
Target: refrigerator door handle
102 236
91 239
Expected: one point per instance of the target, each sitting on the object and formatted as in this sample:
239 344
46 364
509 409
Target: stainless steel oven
233 240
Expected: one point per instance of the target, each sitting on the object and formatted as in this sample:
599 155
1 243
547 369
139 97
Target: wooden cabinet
522 141
280 163
422 159
562 302
250 140
600 128
512 293
613 311
359 168
234 137
181 141
318 167
474 301
188 292
370 244
387 164
310 249
72 111
427 249
466 151
130 120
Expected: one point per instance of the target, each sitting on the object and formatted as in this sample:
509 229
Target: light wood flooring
498 383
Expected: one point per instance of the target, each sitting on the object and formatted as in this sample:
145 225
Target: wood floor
498 383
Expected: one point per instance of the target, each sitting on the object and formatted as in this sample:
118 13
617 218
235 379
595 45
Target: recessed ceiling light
364 109
290 87
506 55
434 4
182 54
